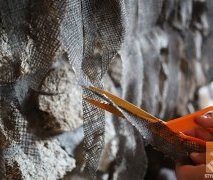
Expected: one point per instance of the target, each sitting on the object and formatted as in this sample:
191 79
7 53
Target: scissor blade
126 105
134 110
105 106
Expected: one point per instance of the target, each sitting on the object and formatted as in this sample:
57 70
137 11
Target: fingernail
209 114
204 116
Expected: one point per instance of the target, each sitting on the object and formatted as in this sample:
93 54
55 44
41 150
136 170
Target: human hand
197 171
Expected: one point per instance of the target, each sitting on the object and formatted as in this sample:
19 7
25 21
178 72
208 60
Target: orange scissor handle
187 122
179 125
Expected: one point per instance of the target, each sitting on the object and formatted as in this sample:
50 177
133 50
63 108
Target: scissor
179 125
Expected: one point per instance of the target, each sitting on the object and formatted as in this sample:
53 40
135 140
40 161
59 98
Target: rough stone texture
54 162
205 96
166 56
62 110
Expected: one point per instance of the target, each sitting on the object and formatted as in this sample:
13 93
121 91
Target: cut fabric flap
167 137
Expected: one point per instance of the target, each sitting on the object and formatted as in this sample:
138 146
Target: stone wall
165 57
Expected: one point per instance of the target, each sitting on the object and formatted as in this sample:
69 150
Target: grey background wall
163 55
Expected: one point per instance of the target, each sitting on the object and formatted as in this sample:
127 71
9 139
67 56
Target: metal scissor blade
126 105
105 106
134 110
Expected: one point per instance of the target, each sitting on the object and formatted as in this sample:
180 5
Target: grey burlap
88 32
163 46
